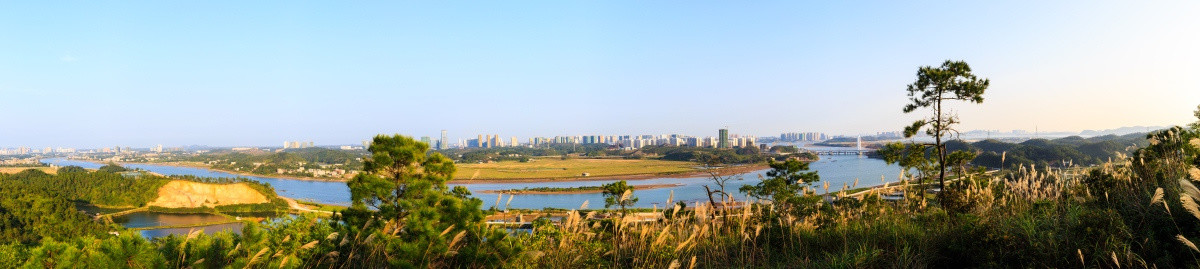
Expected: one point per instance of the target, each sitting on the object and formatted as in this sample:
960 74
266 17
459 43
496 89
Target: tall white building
444 142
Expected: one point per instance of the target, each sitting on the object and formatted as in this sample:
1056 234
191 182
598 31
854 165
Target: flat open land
576 190
555 168
14 170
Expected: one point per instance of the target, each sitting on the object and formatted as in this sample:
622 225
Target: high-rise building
723 138
514 142
426 140
443 143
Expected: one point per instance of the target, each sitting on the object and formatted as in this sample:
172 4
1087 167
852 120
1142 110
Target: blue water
144 219
155 233
319 191
837 170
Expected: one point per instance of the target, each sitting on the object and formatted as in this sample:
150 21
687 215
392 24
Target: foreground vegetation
1139 211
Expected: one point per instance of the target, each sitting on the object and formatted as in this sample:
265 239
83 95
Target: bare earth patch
187 194
14 170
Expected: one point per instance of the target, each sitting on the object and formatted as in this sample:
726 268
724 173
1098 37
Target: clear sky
101 73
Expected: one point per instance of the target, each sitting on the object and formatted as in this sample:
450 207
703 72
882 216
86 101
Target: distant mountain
1122 130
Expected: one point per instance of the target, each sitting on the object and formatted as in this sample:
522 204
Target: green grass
323 207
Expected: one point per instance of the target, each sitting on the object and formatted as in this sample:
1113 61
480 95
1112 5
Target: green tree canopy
402 198
71 169
784 185
112 168
620 194
953 80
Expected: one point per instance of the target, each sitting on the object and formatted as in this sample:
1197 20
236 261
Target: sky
257 73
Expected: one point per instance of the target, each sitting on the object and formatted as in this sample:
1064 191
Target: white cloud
67 58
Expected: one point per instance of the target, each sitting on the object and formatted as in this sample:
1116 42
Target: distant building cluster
802 137
890 135
65 150
722 140
26 161
297 144
17 151
489 141
27 150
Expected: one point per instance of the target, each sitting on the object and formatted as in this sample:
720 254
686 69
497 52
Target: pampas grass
256 256
1190 205
1158 198
310 244
862 230
1186 242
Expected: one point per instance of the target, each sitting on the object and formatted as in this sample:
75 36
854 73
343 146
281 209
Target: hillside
188 194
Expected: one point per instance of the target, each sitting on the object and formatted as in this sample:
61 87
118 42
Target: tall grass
1108 216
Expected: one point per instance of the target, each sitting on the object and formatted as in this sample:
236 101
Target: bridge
844 152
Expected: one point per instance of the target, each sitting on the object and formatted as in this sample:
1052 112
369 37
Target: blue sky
92 73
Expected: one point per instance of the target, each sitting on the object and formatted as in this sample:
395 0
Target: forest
1060 152
40 206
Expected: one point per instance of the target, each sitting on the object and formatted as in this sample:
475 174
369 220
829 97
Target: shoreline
734 170
239 173
730 170
522 191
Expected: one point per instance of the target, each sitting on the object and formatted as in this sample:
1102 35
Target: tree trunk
710 199
941 150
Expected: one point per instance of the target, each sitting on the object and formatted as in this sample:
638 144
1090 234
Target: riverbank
239 173
732 170
576 190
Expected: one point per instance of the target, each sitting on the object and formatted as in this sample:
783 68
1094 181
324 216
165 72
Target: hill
189 194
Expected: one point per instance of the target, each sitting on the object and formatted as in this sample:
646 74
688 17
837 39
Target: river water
836 170
152 219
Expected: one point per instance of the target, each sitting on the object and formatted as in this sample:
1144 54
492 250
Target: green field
323 207
555 168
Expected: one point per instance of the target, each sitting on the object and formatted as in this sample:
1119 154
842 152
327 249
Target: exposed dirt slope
181 193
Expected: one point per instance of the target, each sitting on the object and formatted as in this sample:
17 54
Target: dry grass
757 234
14 170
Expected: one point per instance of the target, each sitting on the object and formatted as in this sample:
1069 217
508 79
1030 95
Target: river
836 170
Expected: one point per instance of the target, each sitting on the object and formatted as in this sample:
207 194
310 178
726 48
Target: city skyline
446 141
102 74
